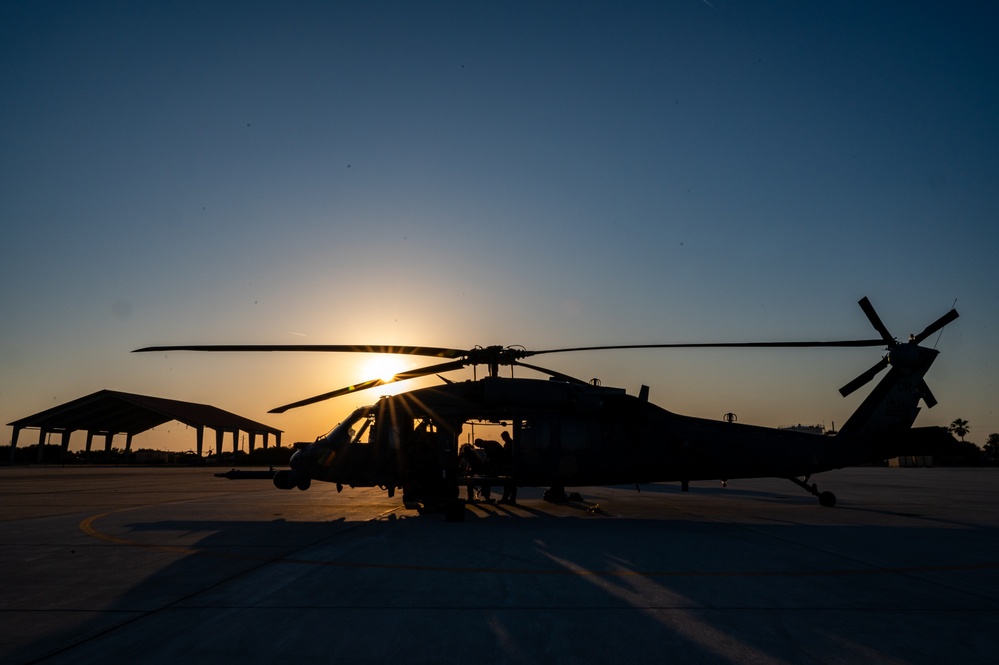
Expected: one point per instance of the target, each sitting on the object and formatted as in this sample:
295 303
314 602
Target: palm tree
959 427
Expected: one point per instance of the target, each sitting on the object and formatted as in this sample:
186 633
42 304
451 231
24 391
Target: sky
544 174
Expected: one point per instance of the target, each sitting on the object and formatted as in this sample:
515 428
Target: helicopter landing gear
434 498
454 510
826 499
556 494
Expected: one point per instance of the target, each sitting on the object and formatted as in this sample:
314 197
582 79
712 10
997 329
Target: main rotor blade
433 351
936 325
365 385
864 378
717 345
432 369
875 320
549 372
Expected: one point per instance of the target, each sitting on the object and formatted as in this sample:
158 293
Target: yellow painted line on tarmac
87 527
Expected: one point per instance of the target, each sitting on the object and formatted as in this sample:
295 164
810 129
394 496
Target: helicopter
566 432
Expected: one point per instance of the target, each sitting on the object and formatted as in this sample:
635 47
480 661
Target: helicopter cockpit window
356 428
361 434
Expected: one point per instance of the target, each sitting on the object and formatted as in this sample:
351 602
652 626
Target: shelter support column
201 440
90 440
108 440
41 444
128 442
253 440
65 442
219 434
13 443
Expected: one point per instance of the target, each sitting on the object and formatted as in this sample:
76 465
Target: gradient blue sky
543 174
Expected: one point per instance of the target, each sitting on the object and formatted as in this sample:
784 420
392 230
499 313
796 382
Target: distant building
907 461
145 456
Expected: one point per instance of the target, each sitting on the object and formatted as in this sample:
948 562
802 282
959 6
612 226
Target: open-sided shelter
108 413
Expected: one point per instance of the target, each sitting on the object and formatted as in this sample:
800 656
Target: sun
383 367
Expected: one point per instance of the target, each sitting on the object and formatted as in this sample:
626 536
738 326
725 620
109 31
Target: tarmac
167 565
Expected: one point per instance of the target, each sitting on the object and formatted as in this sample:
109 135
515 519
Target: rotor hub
908 355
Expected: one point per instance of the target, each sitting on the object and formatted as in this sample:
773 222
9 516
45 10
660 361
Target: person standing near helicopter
510 486
493 462
470 463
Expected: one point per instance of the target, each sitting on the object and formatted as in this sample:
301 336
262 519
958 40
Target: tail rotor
899 354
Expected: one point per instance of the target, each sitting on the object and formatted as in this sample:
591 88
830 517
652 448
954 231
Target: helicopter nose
296 462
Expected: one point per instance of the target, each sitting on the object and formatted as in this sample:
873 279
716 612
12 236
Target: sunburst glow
383 367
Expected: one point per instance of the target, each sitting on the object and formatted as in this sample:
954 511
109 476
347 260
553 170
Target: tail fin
880 427
892 406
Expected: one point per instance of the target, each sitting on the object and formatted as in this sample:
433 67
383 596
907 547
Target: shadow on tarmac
538 587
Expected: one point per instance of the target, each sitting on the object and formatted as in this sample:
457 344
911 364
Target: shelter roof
118 412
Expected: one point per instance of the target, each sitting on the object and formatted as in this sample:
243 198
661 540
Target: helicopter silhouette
566 432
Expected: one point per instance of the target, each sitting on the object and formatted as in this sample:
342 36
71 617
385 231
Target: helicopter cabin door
554 451
532 450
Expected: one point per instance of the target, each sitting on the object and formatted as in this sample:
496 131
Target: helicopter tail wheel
826 499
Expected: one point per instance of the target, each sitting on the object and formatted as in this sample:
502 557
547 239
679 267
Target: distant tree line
992 447
968 453
54 454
